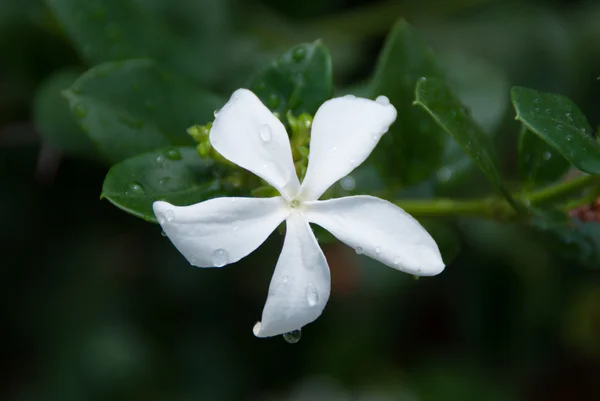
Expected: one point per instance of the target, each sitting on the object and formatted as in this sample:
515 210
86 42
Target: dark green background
96 305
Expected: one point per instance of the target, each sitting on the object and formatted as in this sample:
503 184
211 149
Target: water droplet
136 188
265 132
216 112
375 137
334 149
378 250
312 295
547 155
383 100
396 260
293 336
173 154
170 215
349 97
80 110
160 159
161 218
285 279
569 116
352 162
548 111
536 100
273 101
164 180
348 183
584 131
164 234
444 174
220 257
559 127
537 110
359 250
423 79
299 53
569 138
265 166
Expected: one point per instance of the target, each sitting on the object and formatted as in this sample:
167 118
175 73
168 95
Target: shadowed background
97 305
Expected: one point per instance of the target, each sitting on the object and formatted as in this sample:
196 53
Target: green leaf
133 107
413 148
434 96
53 118
539 163
176 175
298 81
560 123
105 30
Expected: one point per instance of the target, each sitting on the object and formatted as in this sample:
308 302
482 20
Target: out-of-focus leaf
53 118
132 107
176 175
434 96
298 81
539 163
412 150
560 123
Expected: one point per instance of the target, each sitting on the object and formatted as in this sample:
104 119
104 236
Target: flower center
295 203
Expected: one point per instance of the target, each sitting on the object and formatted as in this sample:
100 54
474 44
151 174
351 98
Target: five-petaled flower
224 230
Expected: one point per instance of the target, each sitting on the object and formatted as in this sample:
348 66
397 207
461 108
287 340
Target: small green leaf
53 118
298 81
539 163
175 175
132 107
413 148
560 123
434 96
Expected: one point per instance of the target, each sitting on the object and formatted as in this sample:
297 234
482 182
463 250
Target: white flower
224 230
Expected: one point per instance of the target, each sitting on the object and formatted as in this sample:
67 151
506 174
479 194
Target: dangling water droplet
444 174
216 112
359 250
547 155
136 188
170 215
377 250
312 295
173 154
383 100
293 336
80 110
164 234
265 132
220 257
299 53
348 183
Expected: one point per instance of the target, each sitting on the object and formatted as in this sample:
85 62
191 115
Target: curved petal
246 133
381 230
221 230
300 285
344 132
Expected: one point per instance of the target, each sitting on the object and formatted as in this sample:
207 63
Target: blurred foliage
97 304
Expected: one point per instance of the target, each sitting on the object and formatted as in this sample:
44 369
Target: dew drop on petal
220 257
396 260
293 336
383 100
377 250
348 183
265 132
334 149
359 250
352 162
170 215
312 295
164 234
285 279
216 112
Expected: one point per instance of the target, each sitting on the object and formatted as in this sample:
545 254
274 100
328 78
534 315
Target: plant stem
560 190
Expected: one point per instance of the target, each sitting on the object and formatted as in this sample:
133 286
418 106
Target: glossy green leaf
132 107
434 96
413 148
176 175
560 123
53 118
539 163
298 81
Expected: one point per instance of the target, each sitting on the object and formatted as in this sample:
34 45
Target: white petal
246 133
381 230
300 285
344 132
222 230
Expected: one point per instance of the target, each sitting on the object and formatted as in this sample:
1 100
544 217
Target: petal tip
256 329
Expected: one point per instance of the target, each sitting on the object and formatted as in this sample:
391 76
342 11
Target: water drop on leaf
299 53
80 110
173 154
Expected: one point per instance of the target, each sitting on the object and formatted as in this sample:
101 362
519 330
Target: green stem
497 208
